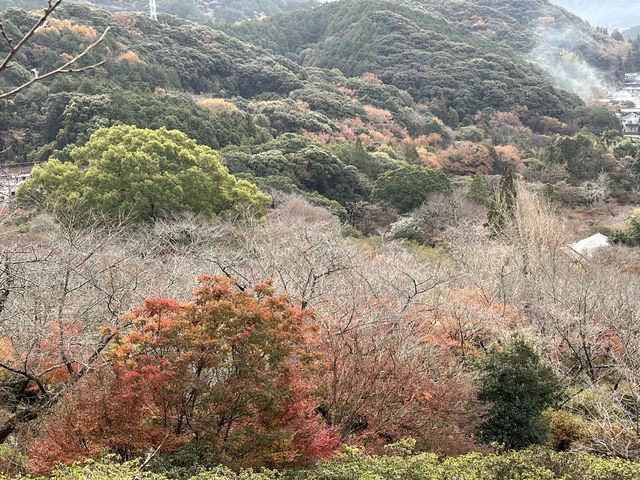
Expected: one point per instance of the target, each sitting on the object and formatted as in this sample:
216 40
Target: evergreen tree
550 193
478 190
145 173
411 154
519 388
408 187
503 206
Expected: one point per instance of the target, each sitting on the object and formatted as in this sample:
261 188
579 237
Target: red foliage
99 414
505 127
379 392
227 369
230 370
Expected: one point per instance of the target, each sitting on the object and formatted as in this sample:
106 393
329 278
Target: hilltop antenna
153 13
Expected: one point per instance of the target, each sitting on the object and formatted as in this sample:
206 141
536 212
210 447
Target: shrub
519 387
408 187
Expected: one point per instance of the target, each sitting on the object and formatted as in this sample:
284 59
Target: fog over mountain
605 13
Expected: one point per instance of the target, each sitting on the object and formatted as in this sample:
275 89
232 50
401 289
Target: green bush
518 387
408 187
354 464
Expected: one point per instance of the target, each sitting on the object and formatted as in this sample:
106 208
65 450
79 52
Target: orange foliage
466 158
230 370
431 140
98 414
467 323
84 32
217 105
371 77
377 393
124 20
347 131
131 58
65 57
428 159
226 368
347 92
323 138
511 156
302 106
379 116
504 127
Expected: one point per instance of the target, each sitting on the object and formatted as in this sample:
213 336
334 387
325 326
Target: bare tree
598 190
64 291
68 67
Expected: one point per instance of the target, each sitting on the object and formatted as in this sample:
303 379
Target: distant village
10 180
628 98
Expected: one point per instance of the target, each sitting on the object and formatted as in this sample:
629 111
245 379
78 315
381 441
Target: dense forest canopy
229 11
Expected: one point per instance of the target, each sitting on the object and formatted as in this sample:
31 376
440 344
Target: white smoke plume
557 52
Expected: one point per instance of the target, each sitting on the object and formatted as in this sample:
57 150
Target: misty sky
615 13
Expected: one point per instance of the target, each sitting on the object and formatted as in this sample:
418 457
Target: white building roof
587 246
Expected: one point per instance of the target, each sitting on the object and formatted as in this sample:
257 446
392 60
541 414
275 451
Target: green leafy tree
519 388
582 156
550 193
503 206
478 190
626 148
408 187
408 228
145 173
630 237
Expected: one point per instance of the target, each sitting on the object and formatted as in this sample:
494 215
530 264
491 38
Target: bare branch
41 21
66 68
150 456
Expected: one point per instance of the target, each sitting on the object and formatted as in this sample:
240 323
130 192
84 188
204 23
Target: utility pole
153 14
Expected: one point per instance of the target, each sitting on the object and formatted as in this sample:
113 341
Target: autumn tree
99 414
143 173
506 127
466 158
227 371
60 285
507 157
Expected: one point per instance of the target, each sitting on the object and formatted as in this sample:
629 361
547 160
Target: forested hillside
531 28
197 10
335 243
412 51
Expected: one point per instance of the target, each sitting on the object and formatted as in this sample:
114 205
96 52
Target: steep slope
187 76
432 59
578 56
197 10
